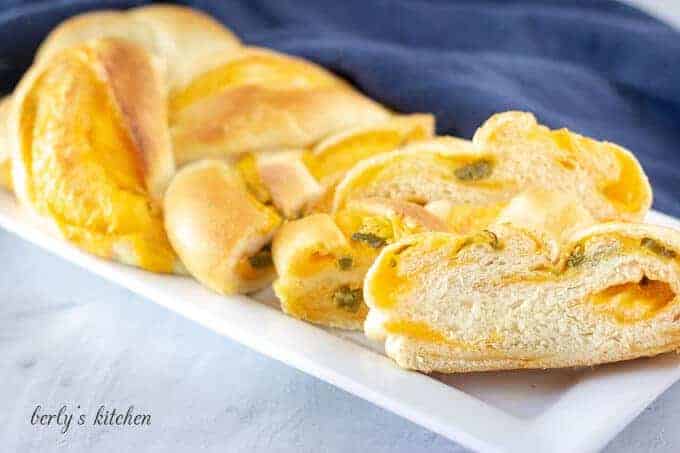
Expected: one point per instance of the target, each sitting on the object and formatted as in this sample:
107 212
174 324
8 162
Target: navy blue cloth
600 68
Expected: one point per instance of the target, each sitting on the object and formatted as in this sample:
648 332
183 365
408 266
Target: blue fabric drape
601 68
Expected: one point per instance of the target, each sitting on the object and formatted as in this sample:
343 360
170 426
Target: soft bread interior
88 156
509 154
498 300
609 179
321 260
219 230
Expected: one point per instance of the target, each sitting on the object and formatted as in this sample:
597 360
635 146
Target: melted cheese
247 168
312 263
352 221
247 272
416 330
84 171
388 283
318 306
467 218
270 71
632 302
624 188
627 193
337 158
6 174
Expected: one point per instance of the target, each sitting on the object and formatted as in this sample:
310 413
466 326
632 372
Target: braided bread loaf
116 101
131 93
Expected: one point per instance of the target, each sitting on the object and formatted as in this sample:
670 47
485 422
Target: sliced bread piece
219 230
509 153
321 260
503 299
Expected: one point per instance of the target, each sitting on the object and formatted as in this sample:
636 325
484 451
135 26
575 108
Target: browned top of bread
224 98
91 149
216 225
178 35
259 100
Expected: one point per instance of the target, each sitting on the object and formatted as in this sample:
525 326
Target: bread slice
510 153
5 154
91 150
219 230
299 182
321 260
503 299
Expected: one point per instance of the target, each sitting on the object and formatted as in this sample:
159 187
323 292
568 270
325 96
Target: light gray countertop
70 338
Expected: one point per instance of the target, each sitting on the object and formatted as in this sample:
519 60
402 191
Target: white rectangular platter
527 411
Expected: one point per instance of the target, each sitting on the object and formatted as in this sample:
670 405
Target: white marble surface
69 338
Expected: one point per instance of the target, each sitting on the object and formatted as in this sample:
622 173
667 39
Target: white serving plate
527 411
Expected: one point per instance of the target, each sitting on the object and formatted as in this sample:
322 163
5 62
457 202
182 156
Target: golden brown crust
252 119
266 101
426 357
194 28
139 90
179 35
186 38
89 26
293 105
214 224
100 172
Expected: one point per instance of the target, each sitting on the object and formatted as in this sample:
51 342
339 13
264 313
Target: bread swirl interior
497 300
510 153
